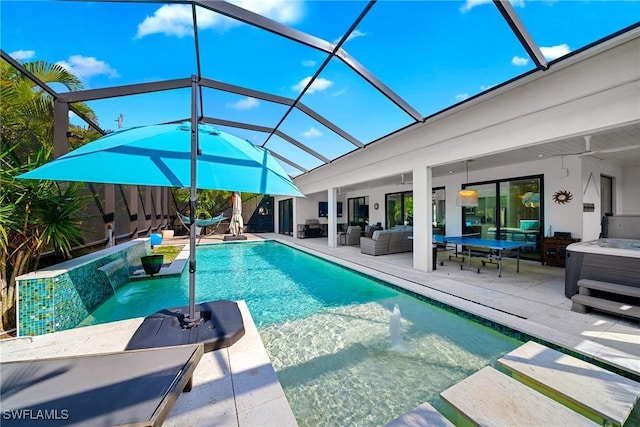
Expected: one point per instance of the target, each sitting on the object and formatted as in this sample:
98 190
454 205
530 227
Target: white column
294 218
332 225
422 219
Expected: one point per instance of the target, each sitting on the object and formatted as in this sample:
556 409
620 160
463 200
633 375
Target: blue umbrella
159 155
169 155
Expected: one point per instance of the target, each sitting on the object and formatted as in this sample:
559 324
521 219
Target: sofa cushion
387 242
402 227
370 229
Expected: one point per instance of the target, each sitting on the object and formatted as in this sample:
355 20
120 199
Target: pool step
491 398
600 394
423 415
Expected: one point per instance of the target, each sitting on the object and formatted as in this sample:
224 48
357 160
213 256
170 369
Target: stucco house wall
591 91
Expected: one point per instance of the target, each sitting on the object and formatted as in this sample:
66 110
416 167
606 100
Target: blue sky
431 53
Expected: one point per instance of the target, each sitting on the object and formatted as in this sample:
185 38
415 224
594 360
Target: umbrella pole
191 320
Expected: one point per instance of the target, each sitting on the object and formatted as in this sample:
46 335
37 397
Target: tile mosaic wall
61 296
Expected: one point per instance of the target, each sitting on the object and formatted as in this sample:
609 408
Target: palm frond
54 73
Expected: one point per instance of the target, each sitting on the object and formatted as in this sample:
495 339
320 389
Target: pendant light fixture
467 197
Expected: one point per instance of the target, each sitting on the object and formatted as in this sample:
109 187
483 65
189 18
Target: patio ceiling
310 81
621 147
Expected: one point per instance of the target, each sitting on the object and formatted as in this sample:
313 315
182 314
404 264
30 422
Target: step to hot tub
586 285
603 396
581 302
490 397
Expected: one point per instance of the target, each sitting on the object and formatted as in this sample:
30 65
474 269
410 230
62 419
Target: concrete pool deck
238 387
234 386
531 301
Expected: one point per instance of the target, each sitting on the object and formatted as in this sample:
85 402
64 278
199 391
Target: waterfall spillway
117 273
395 330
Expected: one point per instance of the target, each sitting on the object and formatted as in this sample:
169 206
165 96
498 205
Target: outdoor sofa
384 242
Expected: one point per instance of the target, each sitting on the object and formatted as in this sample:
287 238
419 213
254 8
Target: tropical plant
210 202
35 216
27 109
403 211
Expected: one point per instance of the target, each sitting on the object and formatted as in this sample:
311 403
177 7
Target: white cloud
170 20
22 55
354 34
284 11
339 93
245 104
309 63
318 84
312 133
87 67
461 97
519 61
554 52
176 19
470 4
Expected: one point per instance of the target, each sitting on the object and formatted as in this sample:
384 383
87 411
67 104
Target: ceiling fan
589 152
404 181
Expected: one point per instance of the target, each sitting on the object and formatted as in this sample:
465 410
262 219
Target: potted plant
152 263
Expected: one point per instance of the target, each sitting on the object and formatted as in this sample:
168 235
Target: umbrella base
238 237
220 326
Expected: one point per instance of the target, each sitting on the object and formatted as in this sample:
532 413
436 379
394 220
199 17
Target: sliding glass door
399 209
481 220
438 196
509 209
358 211
285 217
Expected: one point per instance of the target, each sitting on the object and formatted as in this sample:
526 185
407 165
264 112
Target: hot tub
608 260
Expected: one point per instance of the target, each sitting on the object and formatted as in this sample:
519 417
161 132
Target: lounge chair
136 387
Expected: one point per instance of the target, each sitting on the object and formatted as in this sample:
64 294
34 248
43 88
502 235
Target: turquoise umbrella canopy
160 155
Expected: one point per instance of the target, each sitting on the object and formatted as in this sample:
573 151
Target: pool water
327 330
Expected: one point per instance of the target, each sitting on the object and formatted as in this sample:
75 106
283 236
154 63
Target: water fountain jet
395 330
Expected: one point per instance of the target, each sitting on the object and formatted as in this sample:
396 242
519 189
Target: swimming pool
328 331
